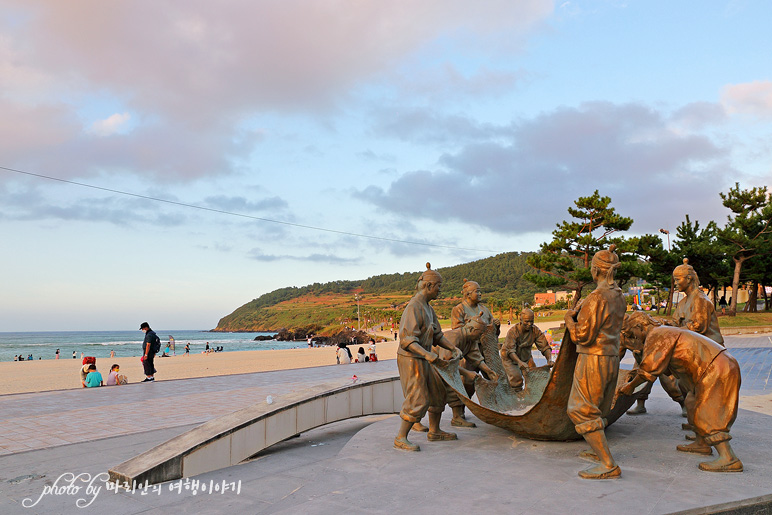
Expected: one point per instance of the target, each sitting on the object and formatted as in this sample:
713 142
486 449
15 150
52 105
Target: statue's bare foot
695 448
589 455
404 445
441 436
601 472
461 422
420 428
690 437
638 410
722 464
687 427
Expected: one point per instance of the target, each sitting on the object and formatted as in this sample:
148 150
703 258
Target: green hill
329 305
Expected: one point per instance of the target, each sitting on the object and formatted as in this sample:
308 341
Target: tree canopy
565 261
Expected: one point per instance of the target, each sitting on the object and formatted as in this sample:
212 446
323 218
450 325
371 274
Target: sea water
126 343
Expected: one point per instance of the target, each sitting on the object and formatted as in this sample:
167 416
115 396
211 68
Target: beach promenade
349 466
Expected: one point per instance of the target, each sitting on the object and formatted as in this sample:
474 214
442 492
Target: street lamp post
357 298
672 280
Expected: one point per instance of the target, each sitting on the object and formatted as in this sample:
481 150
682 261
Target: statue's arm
544 346
584 324
410 334
700 320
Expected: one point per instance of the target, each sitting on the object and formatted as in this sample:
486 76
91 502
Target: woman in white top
343 358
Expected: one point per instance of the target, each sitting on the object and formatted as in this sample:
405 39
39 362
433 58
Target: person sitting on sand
361 358
112 377
83 374
342 355
93 378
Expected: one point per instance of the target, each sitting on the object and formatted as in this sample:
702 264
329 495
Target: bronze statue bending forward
711 374
594 325
419 330
466 340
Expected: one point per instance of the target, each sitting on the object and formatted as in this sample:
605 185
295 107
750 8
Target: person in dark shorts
148 354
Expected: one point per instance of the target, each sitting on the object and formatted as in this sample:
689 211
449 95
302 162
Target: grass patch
762 318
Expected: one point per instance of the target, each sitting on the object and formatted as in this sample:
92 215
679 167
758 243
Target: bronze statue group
686 353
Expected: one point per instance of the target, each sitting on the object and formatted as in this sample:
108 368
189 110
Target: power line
241 215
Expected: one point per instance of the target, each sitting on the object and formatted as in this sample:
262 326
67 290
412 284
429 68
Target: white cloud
110 125
753 98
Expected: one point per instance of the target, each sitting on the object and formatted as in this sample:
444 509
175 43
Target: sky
171 161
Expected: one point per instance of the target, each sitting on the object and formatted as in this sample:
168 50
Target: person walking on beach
149 350
187 349
112 353
73 354
57 353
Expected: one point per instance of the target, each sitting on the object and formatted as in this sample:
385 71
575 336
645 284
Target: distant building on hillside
549 298
544 299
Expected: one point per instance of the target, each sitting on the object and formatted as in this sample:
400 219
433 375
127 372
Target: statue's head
471 291
604 264
684 276
430 282
476 326
526 318
635 328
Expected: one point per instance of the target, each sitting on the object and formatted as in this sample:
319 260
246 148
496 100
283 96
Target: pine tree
749 232
565 261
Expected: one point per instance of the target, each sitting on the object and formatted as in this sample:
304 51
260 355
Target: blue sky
470 128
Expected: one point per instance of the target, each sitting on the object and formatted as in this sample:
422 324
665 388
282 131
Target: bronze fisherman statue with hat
419 330
594 326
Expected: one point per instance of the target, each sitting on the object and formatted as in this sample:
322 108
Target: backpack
156 345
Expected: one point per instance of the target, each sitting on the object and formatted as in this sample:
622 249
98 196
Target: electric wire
241 215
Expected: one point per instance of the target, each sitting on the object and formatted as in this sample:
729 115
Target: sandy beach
50 374
47 375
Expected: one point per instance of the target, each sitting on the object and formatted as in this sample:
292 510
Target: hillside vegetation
327 306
